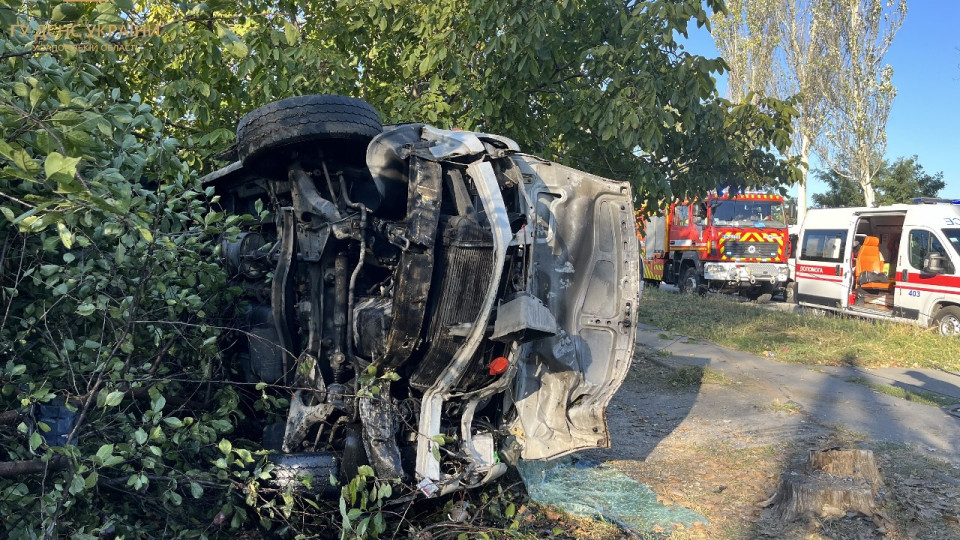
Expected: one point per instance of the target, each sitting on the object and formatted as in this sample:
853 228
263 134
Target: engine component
415 271
265 360
464 272
523 319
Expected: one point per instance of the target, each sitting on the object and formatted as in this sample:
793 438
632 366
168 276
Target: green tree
904 180
897 182
602 86
841 191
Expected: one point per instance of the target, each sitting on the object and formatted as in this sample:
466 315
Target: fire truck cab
899 262
724 242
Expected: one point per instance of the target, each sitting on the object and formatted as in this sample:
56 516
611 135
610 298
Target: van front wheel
947 321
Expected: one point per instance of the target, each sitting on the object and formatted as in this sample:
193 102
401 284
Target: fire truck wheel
790 296
947 321
690 284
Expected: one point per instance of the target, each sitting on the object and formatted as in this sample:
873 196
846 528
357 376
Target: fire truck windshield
748 213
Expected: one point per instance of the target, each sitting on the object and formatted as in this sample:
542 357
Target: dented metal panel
586 271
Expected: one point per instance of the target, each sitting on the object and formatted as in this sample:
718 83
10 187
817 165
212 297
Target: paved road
823 393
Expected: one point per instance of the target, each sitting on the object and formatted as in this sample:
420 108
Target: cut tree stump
831 484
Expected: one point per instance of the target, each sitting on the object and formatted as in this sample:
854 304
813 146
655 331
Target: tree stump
831 484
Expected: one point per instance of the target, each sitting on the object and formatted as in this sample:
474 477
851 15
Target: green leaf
65 235
291 33
91 480
114 398
145 234
77 485
104 452
35 440
57 164
196 490
140 436
85 309
225 447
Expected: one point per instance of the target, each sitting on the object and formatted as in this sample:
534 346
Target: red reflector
499 365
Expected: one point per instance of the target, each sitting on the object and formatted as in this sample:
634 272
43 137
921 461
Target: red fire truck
728 242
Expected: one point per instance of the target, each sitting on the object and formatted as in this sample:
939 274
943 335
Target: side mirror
935 263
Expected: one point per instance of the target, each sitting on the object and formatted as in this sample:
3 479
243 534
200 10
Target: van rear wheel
947 321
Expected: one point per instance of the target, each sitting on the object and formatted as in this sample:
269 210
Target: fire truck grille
750 250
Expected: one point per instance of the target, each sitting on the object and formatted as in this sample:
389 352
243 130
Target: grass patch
916 396
792 337
789 407
697 375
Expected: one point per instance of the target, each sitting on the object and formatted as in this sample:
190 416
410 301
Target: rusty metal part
415 271
282 295
380 425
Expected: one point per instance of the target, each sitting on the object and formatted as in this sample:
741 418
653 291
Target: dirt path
717 441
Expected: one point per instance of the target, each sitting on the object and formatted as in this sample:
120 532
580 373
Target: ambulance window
823 245
953 236
923 243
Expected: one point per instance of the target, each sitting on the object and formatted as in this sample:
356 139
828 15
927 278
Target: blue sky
925 117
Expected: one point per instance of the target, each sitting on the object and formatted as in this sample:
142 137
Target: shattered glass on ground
587 488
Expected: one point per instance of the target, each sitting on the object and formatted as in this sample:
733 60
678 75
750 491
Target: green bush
111 306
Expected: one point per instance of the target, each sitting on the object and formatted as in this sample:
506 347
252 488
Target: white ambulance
898 262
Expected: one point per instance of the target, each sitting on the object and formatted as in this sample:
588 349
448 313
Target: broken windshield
748 213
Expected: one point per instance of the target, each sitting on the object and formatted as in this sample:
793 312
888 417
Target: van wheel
350 122
690 284
947 321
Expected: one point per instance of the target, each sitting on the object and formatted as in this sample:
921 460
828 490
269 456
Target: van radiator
464 269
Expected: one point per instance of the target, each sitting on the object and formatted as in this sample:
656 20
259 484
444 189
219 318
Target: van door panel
920 291
821 274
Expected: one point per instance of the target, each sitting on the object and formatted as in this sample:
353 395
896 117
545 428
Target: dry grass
792 337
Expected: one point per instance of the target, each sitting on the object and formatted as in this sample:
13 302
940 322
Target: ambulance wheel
947 321
690 284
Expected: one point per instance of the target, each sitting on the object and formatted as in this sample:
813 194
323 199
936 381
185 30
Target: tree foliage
859 87
897 182
779 48
602 86
112 297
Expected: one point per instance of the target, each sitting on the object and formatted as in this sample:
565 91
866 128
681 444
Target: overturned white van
897 262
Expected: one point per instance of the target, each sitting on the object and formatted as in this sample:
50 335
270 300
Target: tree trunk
832 483
866 183
805 172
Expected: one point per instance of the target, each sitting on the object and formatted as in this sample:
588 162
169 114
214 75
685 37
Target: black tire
290 469
690 282
947 321
790 296
304 119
